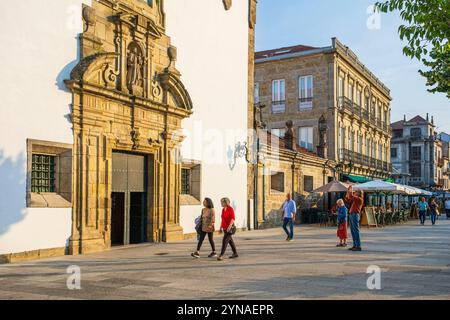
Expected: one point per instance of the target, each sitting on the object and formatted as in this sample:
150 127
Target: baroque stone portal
128 104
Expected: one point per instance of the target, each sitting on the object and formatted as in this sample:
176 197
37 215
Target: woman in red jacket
227 227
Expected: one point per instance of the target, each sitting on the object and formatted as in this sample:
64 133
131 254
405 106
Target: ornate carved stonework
135 69
126 91
227 4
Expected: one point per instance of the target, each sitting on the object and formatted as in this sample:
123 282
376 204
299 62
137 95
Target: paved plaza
414 262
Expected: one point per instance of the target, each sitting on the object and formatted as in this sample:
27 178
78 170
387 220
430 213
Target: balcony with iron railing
305 104
364 160
346 104
278 106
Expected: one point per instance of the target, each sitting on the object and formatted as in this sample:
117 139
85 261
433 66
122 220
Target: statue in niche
135 63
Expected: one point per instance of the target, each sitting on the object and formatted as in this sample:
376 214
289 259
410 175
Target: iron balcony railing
346 104
278 106
364 160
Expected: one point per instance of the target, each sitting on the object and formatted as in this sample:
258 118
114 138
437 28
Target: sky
373 38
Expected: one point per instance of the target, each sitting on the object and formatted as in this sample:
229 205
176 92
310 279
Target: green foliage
427 33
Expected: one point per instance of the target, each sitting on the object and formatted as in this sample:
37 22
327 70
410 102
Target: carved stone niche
227 4
135 69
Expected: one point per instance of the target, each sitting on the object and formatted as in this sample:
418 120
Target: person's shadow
13 191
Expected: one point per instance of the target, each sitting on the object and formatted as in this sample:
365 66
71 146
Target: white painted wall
39 41
39 48
213 59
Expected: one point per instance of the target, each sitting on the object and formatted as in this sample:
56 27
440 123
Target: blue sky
290 22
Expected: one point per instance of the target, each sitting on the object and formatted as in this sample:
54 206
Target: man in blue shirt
289 211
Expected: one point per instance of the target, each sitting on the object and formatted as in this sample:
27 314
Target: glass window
256 93
368 147
306 92
341 138
415 170
278 96
278 132
350 90
341 87
308 183
359 98
351 140
43 173
306 137
416 132
393 152
277 181
360 143
416 153
278 90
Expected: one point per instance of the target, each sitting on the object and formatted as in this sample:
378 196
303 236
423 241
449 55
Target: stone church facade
120 170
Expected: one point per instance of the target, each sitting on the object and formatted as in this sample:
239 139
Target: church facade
119 117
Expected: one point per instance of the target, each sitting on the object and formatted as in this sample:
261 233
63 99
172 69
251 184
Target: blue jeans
354 228
289 221
433 216
422 216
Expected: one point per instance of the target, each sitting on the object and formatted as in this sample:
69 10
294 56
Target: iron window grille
43 173
185 181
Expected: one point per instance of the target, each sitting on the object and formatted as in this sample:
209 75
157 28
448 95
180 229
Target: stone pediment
97 69
171 82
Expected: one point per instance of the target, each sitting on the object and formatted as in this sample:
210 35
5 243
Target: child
342 223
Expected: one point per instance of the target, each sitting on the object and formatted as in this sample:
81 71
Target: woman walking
342 223
207 221
433 210
228 228
423 207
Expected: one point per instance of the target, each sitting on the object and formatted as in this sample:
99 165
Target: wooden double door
129 205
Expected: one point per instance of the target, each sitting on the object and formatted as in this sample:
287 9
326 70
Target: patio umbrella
381 186
333 186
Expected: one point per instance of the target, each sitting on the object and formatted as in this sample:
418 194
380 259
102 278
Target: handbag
198 224
233 229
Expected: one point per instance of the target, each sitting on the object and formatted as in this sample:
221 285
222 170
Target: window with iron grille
185 181
43 173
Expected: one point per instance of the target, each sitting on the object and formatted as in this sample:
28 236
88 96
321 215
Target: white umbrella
381 186
411 191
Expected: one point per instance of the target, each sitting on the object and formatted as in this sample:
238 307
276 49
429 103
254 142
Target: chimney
289 136
404 118
428 118
432 119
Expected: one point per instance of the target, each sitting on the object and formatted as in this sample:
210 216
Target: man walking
289 210
356 201
447 207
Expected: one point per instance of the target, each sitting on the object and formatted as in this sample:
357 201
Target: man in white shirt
447 207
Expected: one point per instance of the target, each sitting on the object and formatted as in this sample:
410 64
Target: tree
427 32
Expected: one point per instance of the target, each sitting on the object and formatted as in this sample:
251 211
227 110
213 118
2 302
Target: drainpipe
255 171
